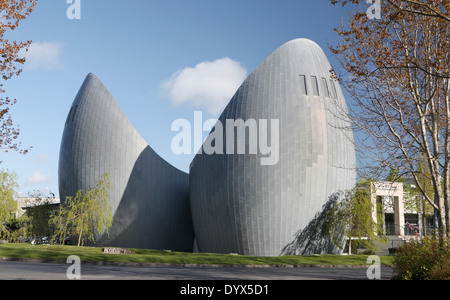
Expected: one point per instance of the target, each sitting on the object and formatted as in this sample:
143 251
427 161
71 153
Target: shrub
441 271
418 259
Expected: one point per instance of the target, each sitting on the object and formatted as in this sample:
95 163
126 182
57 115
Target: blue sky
139 48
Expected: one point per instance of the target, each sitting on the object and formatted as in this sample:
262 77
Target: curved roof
241 205
148 193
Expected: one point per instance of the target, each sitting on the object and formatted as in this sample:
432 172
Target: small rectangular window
303 89
74 112
326 91
68 116
315 86
333 89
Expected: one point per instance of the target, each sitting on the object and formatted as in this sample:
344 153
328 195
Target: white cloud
43 55
209 85
38 178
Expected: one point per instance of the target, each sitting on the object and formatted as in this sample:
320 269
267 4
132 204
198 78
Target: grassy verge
59 252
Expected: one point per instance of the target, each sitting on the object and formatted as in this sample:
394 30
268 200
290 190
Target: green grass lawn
95 254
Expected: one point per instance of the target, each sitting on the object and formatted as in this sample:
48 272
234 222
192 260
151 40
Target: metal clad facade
241 206
150 198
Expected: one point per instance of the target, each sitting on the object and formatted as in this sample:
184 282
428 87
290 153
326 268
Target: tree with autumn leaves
396 70
12 12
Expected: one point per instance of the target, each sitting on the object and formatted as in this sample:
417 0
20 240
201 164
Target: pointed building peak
92 76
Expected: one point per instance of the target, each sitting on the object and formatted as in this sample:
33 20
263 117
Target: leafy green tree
424 178
352 217
86 215
8 204
39 214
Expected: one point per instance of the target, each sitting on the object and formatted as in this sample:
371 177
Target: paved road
11 270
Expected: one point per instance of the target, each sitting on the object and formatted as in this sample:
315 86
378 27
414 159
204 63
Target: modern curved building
150 198
257 202
277 155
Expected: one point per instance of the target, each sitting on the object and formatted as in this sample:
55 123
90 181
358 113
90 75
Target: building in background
24 203
403 212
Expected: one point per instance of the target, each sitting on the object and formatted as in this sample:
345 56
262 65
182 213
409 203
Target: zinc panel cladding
149 199
241 206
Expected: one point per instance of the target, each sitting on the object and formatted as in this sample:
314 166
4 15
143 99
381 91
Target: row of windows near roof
328 89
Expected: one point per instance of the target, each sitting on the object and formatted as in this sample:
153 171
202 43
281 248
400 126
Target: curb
133 264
